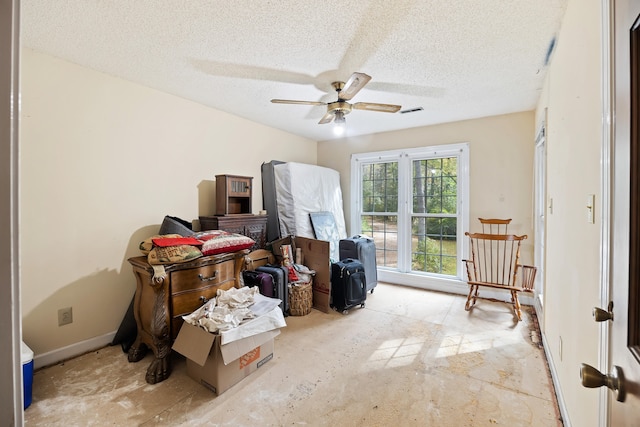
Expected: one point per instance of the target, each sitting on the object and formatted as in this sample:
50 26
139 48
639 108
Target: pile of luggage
355 274
352 277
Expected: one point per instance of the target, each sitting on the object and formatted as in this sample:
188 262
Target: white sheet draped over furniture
301 189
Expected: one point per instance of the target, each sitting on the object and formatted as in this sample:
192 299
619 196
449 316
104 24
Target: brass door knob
601 315
592 378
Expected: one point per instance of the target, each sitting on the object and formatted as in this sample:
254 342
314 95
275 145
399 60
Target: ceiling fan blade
327 118
369 106
289 101
353 85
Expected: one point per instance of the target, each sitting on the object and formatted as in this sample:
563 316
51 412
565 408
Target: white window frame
403 274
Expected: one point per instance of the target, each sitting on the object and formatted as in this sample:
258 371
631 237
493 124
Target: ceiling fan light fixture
339 124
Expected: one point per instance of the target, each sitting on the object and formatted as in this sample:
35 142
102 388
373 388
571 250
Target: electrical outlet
65 316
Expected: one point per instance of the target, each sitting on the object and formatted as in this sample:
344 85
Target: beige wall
102 161
574 123
501 164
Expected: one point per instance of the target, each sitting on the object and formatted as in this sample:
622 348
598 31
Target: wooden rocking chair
495 263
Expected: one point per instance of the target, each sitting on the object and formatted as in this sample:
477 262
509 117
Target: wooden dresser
253 226
159 304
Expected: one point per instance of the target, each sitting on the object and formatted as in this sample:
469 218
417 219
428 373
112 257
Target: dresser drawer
189 301
205 276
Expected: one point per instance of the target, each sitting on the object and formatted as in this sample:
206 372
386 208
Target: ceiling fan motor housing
342 106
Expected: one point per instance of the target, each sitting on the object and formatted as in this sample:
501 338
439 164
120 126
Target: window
413 204
379 216
434 215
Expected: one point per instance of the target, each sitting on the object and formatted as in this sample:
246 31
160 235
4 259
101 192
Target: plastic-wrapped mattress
302 189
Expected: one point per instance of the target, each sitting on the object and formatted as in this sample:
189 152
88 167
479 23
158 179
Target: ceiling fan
338 109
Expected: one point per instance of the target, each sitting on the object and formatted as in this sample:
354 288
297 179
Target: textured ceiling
456 59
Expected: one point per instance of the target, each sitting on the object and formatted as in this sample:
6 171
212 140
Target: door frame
11 394
540 214
606 206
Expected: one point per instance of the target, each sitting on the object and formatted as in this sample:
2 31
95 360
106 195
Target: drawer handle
208 279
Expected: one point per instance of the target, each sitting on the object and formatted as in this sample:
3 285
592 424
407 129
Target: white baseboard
73 350
556 383
443 284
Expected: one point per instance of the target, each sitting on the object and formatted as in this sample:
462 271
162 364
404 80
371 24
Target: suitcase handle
362 236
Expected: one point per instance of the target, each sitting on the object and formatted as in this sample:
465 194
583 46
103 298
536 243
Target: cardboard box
219 366
315 254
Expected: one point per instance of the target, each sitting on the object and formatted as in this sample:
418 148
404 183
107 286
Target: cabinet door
233 228
258 232
238 186
232 225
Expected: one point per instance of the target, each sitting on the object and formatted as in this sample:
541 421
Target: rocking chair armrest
528 276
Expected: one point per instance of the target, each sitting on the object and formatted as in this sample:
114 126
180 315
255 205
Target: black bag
128 330
363 249
348 284
280 284
264 282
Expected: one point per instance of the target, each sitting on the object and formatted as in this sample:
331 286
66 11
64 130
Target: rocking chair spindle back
495 263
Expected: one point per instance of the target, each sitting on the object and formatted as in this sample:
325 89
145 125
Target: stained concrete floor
409 358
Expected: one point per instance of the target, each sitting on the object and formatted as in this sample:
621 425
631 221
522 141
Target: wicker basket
300 299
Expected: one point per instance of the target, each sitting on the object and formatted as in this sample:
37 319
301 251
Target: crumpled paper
231 308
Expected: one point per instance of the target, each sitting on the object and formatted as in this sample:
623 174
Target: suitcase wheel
371 291
362 305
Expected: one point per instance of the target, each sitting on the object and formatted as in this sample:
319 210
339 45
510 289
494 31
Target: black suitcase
264 282
280 284
348 285
362 248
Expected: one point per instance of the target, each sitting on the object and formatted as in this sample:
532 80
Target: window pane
367 196
384 231
380 187
420 186
435 185
434 245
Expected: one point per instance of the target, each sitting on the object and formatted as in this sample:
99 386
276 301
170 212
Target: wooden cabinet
160 303
253 226
233 194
